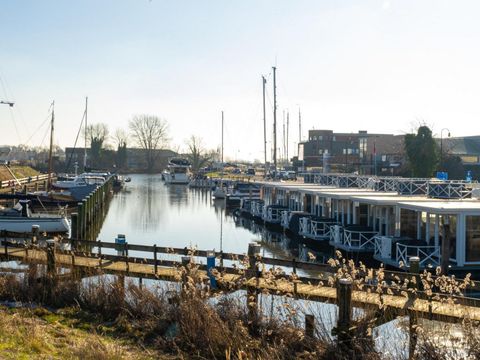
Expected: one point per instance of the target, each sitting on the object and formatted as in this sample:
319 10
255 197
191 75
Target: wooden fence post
35 233
155 265
73 229
412 317
51 269
252 293
309 325
344 302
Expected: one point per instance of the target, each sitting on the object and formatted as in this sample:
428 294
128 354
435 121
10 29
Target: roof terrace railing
442 189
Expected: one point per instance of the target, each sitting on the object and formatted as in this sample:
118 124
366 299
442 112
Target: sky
384 66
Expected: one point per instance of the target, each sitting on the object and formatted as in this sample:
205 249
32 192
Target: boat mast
50 163
86 136
222 139
264 81
274 119
288 124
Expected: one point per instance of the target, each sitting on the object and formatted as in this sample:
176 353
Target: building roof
468 145
444 207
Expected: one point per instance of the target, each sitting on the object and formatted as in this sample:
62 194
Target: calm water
149 212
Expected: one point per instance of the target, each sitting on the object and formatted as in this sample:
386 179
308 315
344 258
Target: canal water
149 212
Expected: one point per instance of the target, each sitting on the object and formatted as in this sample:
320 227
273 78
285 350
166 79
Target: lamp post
441 145
9 103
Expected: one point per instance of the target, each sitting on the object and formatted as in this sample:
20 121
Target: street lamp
441 145
7 103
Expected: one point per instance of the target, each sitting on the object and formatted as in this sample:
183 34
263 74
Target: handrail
403 254
386 275
22 181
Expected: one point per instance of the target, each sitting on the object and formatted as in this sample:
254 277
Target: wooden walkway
303 289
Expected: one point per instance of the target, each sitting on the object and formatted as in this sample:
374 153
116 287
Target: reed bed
190 320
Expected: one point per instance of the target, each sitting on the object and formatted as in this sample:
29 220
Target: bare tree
150 133
120 138
197 154
97 136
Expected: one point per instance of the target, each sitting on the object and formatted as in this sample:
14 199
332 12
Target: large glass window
473 238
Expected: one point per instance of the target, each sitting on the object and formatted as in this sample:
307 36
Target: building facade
352 152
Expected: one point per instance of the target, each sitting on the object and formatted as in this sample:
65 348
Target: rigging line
44 136
75 144
7 91
38 128
12 115
15 126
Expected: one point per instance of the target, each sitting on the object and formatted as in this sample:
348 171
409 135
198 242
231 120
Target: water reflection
149 212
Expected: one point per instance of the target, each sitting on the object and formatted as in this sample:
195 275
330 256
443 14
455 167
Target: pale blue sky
378 65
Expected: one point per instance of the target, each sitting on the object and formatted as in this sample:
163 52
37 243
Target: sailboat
20 218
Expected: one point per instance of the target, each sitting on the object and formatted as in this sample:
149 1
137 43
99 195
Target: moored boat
20 220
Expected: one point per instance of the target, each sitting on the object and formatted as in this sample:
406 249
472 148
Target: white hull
219 193
53 225
176 178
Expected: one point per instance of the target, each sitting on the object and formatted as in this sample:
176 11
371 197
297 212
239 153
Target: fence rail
24 181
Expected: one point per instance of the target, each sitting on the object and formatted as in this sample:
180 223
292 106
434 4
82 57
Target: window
333 138
314 138
320 138
320 151
472 224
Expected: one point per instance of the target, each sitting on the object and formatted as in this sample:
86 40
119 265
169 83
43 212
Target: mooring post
344 302
84 219
51 271
252 294
155 265
309 325
73 230
210 267
99 242
80 218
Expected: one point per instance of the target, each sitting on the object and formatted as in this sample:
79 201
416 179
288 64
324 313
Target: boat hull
23 225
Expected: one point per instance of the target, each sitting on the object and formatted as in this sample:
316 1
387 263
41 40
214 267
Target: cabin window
472 224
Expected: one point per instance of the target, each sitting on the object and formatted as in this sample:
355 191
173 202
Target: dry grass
40 334
190 321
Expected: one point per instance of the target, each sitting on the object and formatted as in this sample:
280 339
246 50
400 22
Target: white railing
427 254
358 239
304 226
383 247
285 218
23 181
273 215
256 208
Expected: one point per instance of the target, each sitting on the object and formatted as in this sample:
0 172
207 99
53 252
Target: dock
390 300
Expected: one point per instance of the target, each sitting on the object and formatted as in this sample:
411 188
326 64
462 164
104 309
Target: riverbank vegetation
111 317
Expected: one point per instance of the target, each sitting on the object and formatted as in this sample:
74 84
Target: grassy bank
19 172
108 317
39 333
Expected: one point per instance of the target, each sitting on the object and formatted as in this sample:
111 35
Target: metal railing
273 215
285 218
315 229
358 239
427 254
444 189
